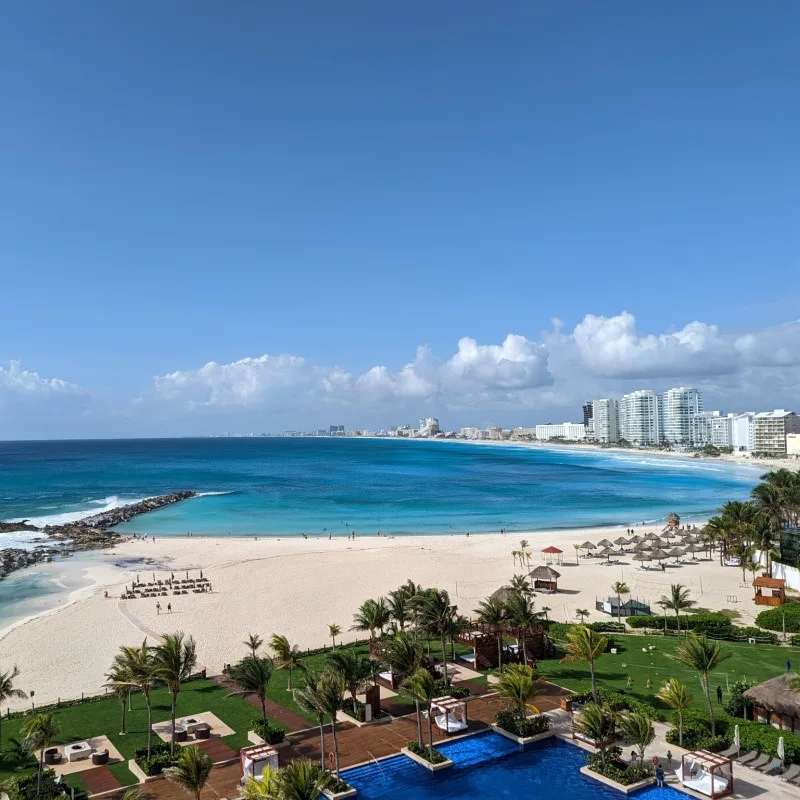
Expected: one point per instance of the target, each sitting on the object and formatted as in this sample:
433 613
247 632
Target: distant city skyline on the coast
265 217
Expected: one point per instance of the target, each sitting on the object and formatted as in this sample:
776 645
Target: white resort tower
640 417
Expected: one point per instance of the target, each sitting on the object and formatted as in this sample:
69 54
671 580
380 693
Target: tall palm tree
581 614
398 604
140 668
518 688
309 700
174 660
678 698
287 656
253 643
525 553
598 724
578 548
266 787
520 614
39 731
620 588
8 692
373 615
330 692
191 770
119 681
770 501
637 728
435 615
303 780
545 610
354 669
333 631
677 601
252 675
766 537
521 585
492 612
404 657
422 688
585 646
702 654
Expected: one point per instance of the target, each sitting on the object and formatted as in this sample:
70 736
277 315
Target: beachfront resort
418 696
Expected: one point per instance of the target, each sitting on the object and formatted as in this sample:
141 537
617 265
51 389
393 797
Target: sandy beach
297 587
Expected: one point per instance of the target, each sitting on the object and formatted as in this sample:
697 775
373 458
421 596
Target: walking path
99 779
287 717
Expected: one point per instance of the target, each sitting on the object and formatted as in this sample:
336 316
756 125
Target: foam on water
88 508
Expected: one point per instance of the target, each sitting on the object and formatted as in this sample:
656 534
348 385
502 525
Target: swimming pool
489 766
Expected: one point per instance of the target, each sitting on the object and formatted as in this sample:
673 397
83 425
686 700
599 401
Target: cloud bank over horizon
518 381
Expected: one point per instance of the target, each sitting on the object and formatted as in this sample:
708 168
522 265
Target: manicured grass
102 717
753 662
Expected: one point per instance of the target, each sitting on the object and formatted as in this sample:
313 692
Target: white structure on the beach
521 432
640 417
679 410
743 432
605 420
793 445
714 428
772 428
569 431
472 433
429 426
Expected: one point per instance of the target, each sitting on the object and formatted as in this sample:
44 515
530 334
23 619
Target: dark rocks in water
89 533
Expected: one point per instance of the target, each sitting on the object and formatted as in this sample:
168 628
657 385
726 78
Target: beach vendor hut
552 555
449 714
776 703
254 759
544 578
705 772
769 591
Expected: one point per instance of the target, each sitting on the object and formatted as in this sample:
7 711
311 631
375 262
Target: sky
255 216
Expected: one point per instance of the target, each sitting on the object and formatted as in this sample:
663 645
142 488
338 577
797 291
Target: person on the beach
669 758
169 608
158 607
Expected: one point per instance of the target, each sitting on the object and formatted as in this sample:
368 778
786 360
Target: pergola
449 714
254 759
552 554
545 578
707 773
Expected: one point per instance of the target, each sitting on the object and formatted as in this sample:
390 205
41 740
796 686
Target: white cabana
254 759
707 773
449 714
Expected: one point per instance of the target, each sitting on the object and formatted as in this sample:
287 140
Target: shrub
607 627
772 618
23 787
430 754
459 692
697 731
618 770
558 631
159 758
710 622
271 734
530 726
748 632
758 736
619 701
738 705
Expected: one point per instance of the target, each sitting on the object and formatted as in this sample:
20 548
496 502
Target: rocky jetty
89 533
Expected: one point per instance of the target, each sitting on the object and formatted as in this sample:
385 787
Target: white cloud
14 379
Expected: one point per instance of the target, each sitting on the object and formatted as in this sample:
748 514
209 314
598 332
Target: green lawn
102 717
753 662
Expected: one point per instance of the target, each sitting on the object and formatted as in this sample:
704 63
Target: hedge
772 618
708 622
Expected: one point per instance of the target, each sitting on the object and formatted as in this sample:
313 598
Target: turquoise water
489 766
274 486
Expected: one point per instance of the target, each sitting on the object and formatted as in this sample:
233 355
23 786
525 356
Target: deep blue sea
278 486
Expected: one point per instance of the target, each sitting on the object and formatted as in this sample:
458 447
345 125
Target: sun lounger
761 761
730 752
751 756
791 773
773 765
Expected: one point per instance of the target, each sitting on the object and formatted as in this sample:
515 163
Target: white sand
297 587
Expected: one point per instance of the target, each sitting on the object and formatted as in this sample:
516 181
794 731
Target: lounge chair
773 765
730 752
791 773
747 757
761 761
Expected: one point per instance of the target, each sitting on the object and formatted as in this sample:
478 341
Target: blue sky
337 185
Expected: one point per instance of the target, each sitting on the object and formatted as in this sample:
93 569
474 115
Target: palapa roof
589 546
776 695
544 573
769 583
504 594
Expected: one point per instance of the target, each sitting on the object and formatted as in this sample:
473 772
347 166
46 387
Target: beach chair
747 757
762 760
773 765
791 773
730 752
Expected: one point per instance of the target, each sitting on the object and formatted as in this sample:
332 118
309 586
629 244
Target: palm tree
140 668
252 676
752 566
677 601
581 614
354 669
545 610
585 646
435 616
620 588
371 616
330 694
399 606
597 724
422 688
578 548
404 657
517 687
525 553
174 660
521 585
308 699
191 770
253 643
119 681
266 787
303 780
766 536
333 631
20 754
9 692
677 697
39 731
769 499
520 614
287 655
637 728
702 654
492 612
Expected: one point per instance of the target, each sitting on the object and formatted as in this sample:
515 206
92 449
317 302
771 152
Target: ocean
289 486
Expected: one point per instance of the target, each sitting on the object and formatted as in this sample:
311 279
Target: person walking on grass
719 695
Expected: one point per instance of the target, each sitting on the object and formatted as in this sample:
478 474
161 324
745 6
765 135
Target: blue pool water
489 766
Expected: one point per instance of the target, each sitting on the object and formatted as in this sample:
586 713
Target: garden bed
424 761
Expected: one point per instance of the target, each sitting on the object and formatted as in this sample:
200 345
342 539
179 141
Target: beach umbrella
621 541
641 557
608 552
676 553
659 554
737 741
692 549
635 539
781 749
641 547
589 546
605 543
651 536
